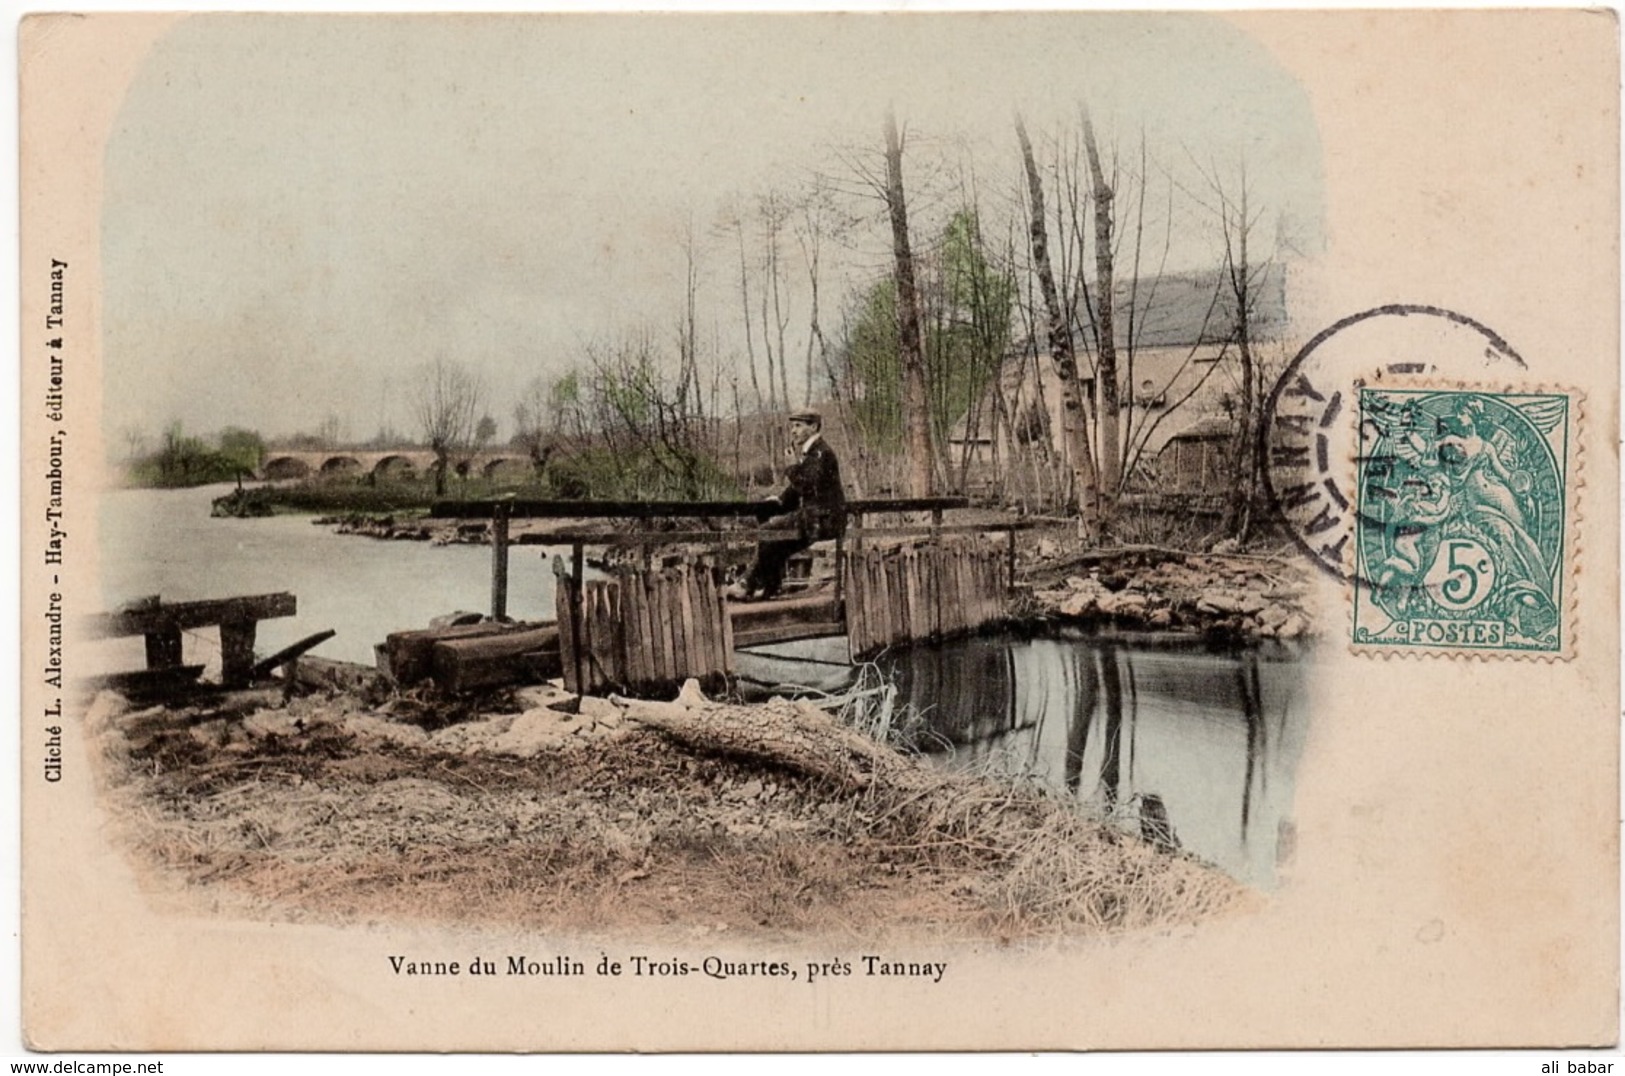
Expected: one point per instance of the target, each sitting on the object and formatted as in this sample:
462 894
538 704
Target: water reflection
1197 746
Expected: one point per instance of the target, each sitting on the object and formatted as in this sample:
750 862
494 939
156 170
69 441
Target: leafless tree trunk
811 237
1236 224
774 212
916 411
1106 384
688 385
738 224
1075 422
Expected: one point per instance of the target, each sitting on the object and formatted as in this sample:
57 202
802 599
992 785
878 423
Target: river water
164 542
1212 735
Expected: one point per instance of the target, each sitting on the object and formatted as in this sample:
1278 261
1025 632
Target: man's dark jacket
815 494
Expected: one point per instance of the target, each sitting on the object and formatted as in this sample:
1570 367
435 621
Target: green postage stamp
1464 525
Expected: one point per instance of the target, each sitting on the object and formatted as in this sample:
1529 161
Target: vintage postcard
820 532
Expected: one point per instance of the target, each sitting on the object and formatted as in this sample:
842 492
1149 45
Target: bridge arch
340 465
396 465
279 468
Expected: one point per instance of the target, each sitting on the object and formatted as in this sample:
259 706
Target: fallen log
312 671
793 735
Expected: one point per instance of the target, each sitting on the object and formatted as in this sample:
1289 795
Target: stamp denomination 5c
1464 506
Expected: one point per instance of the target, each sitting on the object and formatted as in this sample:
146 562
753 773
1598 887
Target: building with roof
1178 370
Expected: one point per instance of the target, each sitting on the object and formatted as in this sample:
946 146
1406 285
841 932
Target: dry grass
629 832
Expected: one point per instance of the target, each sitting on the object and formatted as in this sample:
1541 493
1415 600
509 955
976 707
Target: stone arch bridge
399 464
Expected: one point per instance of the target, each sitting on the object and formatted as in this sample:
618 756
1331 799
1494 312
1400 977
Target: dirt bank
513 813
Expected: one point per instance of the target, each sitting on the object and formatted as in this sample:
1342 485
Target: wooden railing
502 510
584 627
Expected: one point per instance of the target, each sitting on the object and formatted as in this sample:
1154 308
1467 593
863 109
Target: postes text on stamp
1463 535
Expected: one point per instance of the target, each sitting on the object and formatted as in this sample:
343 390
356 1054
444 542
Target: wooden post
632 632
727 635
1010 561
236 653
576 608
938 585
688 658
164 649
840 559
564 603
500 513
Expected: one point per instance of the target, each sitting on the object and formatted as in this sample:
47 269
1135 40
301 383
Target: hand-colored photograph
820 532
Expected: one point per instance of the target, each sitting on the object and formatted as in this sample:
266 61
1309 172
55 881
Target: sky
301 211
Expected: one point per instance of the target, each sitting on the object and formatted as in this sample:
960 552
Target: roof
1210 428
1182 310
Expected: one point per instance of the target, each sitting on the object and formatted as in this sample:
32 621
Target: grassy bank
342 810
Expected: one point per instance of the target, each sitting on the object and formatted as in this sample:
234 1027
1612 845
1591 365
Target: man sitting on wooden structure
813 504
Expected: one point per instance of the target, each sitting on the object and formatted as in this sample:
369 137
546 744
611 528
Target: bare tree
1106 387
810 230
733 221
773 211
911 353
1241 278
446 402
1058 330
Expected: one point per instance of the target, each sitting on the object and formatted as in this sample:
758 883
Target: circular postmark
1313 438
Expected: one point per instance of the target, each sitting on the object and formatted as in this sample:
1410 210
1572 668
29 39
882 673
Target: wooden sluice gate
639 632
648 627
915 593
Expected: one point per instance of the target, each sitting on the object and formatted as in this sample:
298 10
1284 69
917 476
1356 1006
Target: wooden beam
929 531
781 612
525 509
788 633
263 668
514 657
178 616
743 536
408 656
522 509
907 504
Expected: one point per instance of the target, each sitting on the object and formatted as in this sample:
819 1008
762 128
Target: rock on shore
1243 597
